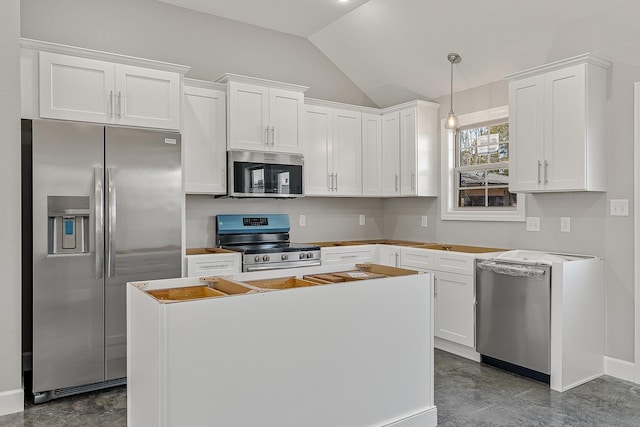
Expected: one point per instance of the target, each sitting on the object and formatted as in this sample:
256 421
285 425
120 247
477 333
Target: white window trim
448 158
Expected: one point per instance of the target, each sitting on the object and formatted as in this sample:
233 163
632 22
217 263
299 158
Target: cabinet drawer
348 255
424 259
208 265
454 262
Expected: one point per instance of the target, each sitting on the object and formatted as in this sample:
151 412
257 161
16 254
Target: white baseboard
11 401
428 418
620 369
457 349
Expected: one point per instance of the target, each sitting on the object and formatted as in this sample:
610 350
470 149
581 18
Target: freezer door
68 291
143 223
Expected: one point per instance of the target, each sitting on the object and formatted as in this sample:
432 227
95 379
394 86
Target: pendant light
452 119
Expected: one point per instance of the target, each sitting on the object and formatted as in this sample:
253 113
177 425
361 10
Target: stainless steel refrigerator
106 210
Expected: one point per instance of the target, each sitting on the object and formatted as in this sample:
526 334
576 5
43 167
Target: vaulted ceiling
395 50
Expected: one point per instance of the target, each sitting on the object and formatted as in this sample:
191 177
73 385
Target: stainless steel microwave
265 174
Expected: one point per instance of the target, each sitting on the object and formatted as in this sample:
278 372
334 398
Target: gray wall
10 349
212 46
593 231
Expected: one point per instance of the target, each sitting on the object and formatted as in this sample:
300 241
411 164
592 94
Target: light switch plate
303 220
533 223
619 207
565 224
361 219
423 221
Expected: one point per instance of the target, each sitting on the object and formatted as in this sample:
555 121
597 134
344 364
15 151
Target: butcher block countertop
407 243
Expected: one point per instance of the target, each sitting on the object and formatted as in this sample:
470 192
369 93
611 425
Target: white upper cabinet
263 115
556 126
419 155
333 151
95 90
390 165
371 154
204 138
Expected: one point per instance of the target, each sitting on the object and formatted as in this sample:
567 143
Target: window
476 164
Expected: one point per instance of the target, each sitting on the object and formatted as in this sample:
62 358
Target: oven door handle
266 267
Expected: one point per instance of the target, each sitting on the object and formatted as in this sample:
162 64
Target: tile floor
466 394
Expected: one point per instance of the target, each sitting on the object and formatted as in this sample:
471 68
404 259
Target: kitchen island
356 353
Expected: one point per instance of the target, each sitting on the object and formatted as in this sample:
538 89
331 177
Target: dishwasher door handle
518 270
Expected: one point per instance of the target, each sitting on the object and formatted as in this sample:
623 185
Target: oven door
258 174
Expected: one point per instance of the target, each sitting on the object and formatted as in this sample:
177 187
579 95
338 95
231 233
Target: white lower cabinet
348 254
388 255
454 291
214 264
454 307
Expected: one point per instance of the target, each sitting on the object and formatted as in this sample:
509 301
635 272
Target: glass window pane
467 198
497 177
501 197
503 152
471 179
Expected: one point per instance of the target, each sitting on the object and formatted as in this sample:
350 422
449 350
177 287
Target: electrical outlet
533 223
361 219
303 220
565 224
423 221
619 207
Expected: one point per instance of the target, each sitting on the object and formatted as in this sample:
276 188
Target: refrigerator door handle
111 223
98 200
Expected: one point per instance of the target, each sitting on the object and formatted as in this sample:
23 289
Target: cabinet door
317 134
284 116
408 147
391 154
526 124
388 255
204 141
454 308
147 97
347 152
371 154
248 116
78 89
565 136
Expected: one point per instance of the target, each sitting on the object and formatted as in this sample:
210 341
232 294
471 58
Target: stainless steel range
264 242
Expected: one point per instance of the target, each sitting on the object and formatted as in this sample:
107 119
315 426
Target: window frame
449 209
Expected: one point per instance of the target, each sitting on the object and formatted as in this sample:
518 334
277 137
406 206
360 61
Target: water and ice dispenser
68 224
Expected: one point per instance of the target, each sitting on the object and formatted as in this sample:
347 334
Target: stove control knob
284 257
309 255
265 258
257 258
302 256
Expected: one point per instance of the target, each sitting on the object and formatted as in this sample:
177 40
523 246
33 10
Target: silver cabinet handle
111 222
397 256
435 287
539 165
396 183
119 105
110 103
336 174
273 136
546 167
98 209
413 181
266 135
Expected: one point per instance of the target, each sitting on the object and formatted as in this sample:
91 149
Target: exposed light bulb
452 121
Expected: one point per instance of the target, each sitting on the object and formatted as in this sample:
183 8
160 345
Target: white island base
350 354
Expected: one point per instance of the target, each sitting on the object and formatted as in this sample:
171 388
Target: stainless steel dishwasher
513 316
